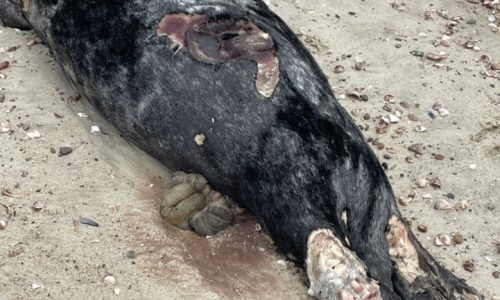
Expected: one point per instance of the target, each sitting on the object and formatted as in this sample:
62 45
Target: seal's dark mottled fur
296 159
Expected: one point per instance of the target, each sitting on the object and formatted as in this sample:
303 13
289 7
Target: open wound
215 41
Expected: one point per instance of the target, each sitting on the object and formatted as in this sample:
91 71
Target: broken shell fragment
435 183
393 118
417 148
462 205
412 117
37 206
404 201
422 182
339 69
200 139
389 98
427 196
442 240
33 135
443 205
94 129
443 112
110 279
417 53
87 221
420 128
437 56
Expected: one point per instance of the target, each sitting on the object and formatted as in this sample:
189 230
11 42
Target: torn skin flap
216 41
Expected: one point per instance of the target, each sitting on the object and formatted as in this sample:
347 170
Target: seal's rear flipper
11 14
418 271
191 203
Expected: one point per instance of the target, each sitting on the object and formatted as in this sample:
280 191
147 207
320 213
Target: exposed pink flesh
221 40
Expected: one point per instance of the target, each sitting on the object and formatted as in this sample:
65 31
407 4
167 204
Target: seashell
404 201
442 240
443 205
95 129
393 118
437 56
422 182
37 206
443 112
339 69
462 205
427 196
110 279
420 128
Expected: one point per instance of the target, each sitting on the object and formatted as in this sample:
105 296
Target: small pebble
4 65
458 238
404 104
438 156
472 166
422 228
431 114
387 156
450 196
3 224
469 266
117 291
496 274
65 150
367 117
131 254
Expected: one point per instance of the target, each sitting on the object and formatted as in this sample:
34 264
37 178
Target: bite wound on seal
216 41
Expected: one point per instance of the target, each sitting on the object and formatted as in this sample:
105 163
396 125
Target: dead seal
226 90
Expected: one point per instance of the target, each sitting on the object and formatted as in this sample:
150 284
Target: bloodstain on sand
236 263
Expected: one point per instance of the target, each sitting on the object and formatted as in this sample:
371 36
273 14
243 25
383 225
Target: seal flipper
191 203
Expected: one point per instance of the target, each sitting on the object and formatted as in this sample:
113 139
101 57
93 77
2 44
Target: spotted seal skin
290 154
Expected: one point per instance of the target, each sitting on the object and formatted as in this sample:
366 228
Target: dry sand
46 254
